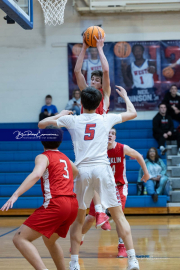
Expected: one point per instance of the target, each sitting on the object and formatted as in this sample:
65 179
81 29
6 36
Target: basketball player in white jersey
139 74
91 64
89 133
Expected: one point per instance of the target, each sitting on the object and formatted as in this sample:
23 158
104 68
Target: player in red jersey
116 154
59 210
101 81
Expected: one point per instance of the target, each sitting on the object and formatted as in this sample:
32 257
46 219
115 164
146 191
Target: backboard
21 11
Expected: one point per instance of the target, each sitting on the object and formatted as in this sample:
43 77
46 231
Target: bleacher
17 161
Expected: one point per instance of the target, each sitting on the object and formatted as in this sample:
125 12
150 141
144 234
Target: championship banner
91 63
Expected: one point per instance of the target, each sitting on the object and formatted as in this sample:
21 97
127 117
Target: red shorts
121 193
56 218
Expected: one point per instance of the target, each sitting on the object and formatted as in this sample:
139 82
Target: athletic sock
98 208
74 259
131 253
83 235
120 241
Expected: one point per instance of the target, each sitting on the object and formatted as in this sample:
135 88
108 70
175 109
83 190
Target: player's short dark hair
90 98
97 73
162 103
52 144
49 96
137 45
173 85
114 129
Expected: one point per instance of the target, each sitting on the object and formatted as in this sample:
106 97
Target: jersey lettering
89 129
65 168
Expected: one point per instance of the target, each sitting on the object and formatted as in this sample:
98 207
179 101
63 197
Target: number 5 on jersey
89 130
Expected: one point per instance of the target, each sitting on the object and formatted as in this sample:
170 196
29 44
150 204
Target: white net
53 11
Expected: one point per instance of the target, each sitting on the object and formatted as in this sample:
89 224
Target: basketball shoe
106 226
133 263
122 251
101 218
75 267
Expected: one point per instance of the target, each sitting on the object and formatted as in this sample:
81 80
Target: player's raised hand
121 91
100 40
65 112
85 46
9 203
145 177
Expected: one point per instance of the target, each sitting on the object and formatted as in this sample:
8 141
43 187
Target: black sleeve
156 125
171 124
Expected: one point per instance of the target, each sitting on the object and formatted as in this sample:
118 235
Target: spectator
48 109
74 104
157 170
172 101
91 64
163 129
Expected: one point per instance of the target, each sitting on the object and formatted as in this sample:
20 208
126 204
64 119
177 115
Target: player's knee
16 240
90 219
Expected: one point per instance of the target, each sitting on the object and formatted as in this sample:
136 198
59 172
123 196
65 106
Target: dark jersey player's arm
127 75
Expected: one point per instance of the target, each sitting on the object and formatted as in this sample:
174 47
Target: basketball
122 49
168 72
90 33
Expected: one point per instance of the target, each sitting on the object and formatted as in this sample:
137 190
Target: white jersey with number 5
141 77
89 133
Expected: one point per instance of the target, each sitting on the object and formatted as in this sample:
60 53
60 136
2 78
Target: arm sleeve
171 124
163 166
156 128
112 119
69 105
55 109
42 109
66 121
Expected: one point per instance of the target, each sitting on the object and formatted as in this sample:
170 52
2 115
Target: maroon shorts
56 218
121 193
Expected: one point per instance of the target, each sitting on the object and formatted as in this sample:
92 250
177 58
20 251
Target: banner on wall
146 69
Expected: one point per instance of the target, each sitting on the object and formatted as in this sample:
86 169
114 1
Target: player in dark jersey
116 154
59 210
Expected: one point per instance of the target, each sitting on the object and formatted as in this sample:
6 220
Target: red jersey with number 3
57 179
101 109
118 163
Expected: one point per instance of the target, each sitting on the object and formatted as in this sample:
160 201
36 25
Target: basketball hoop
53 11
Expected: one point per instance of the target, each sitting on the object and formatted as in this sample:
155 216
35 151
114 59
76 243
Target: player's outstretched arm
74 169
134 154
77 70
41 162
51 121
130 110
105 66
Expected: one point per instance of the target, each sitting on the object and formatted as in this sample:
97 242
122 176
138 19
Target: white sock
74 260
120 241
83 235
98 208
131 253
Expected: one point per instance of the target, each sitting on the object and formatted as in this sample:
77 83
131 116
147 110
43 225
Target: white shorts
99 178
